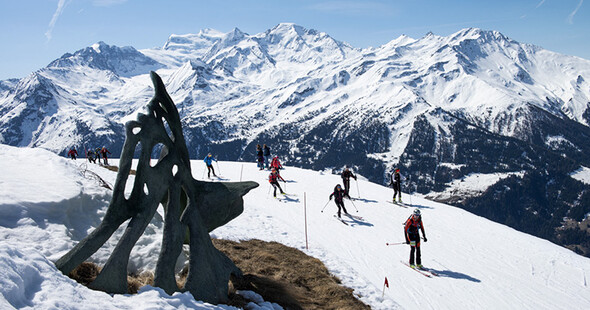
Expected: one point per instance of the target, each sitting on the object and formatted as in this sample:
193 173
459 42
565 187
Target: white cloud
540 3
570 18
60 7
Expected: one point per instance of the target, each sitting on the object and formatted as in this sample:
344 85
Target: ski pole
325 205
395 243
357 210
410 194
218 170
203 177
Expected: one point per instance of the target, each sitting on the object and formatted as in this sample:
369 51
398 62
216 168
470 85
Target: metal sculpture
208 205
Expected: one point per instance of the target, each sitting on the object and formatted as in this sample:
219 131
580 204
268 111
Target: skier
266 150
90 156
275 163
395 181
411 230
209 162
259 157
104 152
346 174
338 195
97 154
73 153
273 179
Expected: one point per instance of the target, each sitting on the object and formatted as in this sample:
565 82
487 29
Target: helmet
417 212
338 186
396 169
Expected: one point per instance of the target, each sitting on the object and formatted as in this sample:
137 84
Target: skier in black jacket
259 157
346 174
266 151
338 195
396 183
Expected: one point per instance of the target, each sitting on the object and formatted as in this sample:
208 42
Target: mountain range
443 109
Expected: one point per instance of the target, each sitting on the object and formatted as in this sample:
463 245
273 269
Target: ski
354 217
403 205
341 220
420 271
289 194
430 271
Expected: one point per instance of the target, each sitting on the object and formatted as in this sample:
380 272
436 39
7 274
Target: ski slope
47 203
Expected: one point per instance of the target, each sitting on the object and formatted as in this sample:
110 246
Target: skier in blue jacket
209 162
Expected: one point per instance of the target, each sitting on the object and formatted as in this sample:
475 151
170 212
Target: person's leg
280 188
418 257
412 250
346 188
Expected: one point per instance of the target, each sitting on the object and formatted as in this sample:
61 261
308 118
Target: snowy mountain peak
289 28
193 42
232 38
123 61
483 37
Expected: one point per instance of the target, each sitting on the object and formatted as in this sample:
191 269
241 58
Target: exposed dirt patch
278 273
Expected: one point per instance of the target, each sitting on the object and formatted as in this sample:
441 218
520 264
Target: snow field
482 264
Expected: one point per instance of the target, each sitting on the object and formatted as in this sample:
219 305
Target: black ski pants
340 205
415 249
397 190
276 185
346 187
209 170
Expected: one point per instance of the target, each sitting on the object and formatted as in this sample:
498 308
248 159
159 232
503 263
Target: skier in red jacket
104 152
411 230
73 153
273 179
275 163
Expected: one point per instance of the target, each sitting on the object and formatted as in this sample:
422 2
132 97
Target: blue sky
35 32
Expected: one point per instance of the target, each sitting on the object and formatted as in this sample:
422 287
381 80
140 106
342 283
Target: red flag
386 283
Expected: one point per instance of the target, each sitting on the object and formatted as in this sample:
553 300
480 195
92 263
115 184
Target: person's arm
331 195
406 228
423 233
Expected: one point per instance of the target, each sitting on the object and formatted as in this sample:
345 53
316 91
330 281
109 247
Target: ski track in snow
481 264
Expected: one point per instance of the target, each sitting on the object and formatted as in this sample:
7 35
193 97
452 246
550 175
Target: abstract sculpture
209 205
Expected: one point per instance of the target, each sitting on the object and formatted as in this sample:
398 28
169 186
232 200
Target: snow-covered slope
481 264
